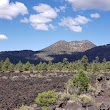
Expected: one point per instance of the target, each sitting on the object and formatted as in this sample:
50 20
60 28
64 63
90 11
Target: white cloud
57 9
62 8
45 11
24 20
52 27
45 15
3 2
95 15
39 19
11 10
90 4
3 37
43 27
74 24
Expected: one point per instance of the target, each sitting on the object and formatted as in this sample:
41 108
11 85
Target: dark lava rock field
22 88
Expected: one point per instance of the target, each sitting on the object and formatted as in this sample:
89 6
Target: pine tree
1 64
11 68
65 61
6 64
31 69
95 66
44 66
81 82
19 66
39 66
49 66
104 60
84 62
59 66
97 59
27 66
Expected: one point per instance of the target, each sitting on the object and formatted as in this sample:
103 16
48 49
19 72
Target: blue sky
36 24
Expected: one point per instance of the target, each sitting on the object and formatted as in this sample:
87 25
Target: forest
64 66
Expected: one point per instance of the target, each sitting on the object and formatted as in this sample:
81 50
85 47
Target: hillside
73 46
100 51
62 47
72 50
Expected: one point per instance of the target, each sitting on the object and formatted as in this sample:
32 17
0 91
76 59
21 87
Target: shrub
23 107
40 75
46 108
47 98
85 100
69 87
92 89
63 96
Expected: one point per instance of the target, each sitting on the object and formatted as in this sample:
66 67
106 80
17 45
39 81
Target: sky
36 24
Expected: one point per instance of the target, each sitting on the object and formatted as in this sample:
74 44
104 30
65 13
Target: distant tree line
64 66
